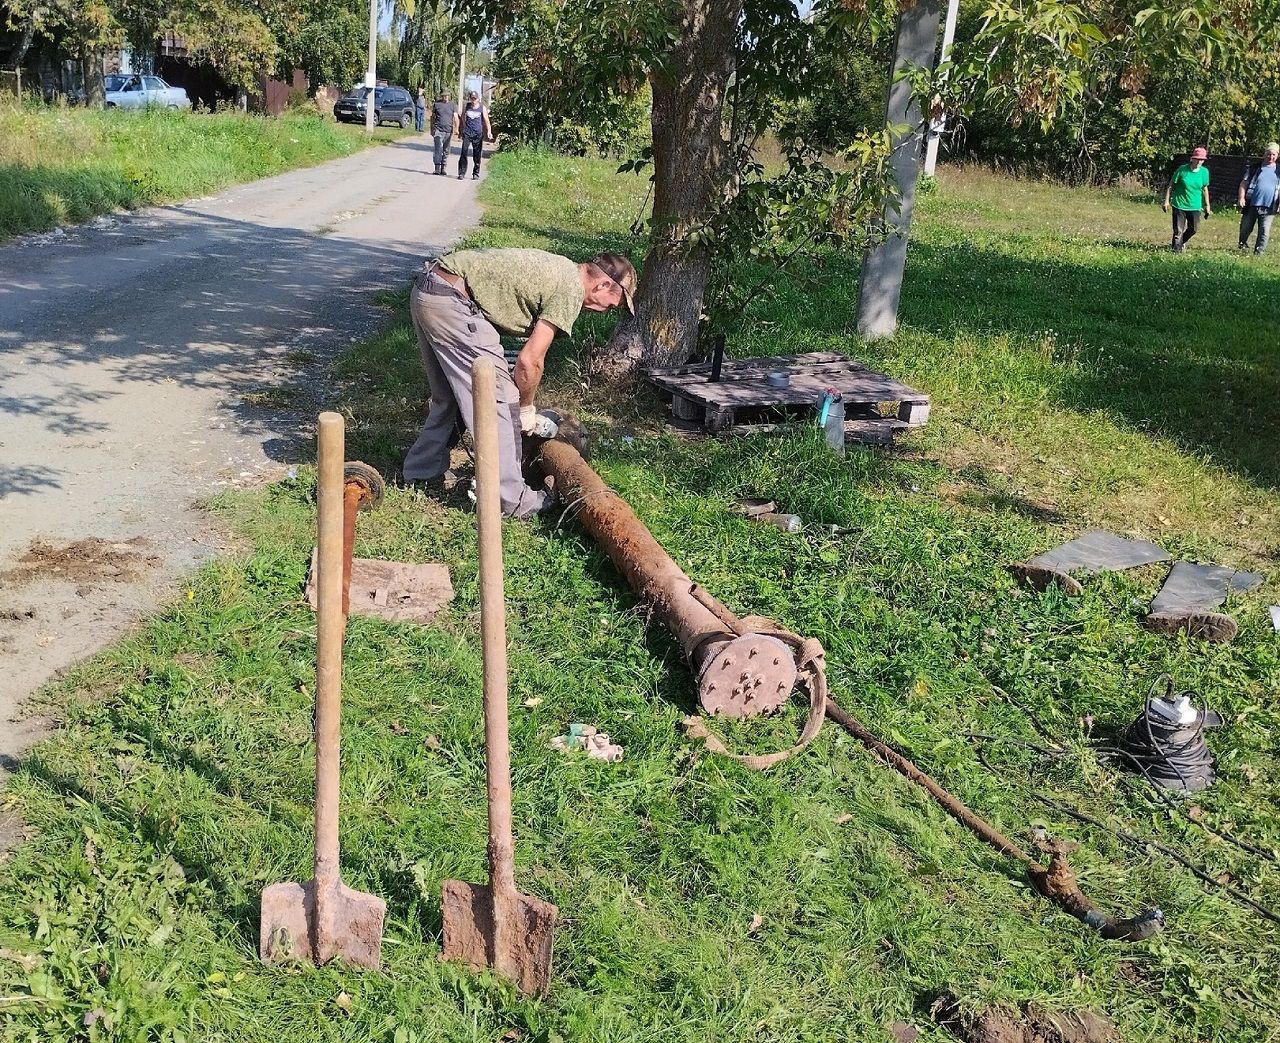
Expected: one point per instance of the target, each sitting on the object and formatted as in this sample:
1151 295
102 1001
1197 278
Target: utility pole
371 74
462 72
880 281
937 127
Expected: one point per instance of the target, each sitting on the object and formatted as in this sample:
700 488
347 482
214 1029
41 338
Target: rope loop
811 671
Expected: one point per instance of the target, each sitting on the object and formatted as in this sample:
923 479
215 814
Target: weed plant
1080 377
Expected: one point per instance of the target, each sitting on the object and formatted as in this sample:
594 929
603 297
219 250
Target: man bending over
461 304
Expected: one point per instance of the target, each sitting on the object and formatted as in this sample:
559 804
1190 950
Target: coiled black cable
1171 754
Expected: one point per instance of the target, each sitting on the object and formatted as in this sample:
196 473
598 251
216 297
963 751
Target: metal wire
1129 838
580 499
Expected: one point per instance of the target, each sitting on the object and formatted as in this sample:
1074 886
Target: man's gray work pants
1255 215
452 334
440 141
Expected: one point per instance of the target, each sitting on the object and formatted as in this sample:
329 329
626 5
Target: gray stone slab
1200 588
1099 551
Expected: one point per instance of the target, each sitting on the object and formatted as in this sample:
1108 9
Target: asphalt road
134 353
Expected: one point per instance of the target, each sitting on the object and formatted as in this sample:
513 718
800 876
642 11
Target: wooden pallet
743 394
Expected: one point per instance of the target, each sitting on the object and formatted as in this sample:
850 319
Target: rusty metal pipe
354 493
740 673
723 649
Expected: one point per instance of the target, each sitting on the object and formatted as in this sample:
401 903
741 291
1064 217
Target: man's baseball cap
1199 153
620 270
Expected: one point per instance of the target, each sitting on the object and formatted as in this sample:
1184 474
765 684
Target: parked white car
138 92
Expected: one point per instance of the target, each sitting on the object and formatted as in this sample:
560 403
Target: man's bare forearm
527 376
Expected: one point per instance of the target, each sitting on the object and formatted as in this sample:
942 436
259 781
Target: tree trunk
688 182
883 266
91 80
24 44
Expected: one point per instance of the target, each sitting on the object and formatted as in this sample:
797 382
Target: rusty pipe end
366 481
745 676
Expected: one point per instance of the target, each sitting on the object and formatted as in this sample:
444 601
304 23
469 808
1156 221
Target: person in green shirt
461 305
1188 191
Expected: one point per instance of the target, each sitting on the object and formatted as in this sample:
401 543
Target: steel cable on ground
1126 837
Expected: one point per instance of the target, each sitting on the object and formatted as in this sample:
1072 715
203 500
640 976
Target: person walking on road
476 130
1188 190
461 305
1259 199
444 124
419 110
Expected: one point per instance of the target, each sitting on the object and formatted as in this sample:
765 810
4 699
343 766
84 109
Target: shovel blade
350 926
469 935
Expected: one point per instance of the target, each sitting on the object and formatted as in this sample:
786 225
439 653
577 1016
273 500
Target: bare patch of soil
13 831
1032 1025
83 561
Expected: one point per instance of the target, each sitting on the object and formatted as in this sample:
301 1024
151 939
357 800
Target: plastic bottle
834 425
785 522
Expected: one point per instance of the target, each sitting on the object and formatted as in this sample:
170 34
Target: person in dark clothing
419 110
444 124
473 122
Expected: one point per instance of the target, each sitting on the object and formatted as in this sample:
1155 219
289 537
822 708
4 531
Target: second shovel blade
469 935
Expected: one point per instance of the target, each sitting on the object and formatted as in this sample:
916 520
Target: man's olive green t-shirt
1189 186
515 288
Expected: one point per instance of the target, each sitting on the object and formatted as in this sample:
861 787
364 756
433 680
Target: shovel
496 926
323 918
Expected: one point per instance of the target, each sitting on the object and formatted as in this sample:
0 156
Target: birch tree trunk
883 266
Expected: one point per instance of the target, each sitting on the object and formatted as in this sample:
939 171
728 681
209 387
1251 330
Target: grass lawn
59 166
1080 377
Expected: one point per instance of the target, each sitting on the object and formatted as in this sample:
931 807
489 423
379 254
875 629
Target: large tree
718 70
428 46
714 67
84 28
690 176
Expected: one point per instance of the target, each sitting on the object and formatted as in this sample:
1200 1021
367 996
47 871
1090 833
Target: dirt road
137 358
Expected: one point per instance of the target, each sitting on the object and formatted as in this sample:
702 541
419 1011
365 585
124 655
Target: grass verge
61 166
824 900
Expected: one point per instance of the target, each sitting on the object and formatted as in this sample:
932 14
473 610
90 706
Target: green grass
60 166
1078 379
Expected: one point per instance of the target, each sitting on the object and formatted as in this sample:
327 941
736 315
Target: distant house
48 70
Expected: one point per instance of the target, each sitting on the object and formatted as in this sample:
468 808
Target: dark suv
391 105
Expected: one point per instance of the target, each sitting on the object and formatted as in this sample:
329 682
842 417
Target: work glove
538 425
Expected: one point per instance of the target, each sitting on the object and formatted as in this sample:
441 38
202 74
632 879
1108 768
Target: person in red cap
1188 190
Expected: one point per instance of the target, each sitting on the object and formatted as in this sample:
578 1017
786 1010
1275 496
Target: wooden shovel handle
493 629
330 623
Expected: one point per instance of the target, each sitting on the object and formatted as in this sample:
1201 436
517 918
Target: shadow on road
254 313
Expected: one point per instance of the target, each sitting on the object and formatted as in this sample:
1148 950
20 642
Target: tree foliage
423 46
1140 84
537 78
326 38
1033 64
332 45
570 73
